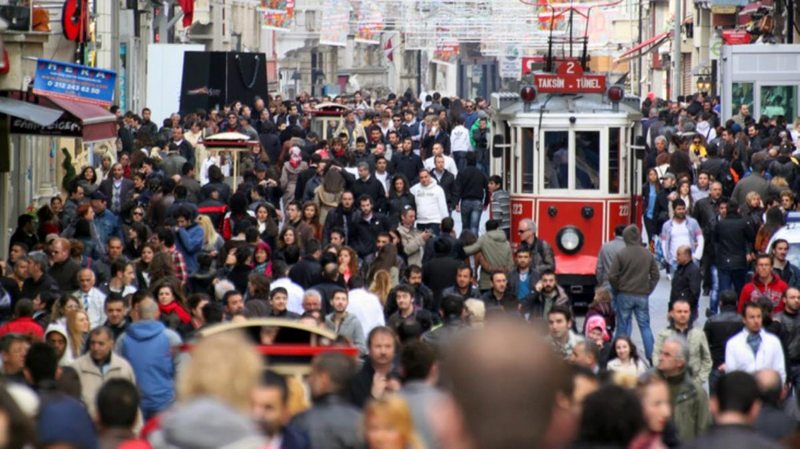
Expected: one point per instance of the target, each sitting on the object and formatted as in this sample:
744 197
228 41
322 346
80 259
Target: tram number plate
624 210
516 209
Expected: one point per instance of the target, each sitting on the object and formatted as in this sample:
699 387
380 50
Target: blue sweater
147 345
190 243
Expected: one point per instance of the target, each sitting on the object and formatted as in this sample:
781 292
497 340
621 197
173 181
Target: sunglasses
138 213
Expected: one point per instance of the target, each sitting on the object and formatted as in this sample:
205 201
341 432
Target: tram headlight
569 239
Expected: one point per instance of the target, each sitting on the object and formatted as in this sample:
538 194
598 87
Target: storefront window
613 160
587 160
527 160
778 100
556 160
742 94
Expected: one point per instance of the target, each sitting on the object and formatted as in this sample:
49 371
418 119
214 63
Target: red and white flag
388 50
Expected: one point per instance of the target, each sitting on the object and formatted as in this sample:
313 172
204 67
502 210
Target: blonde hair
381 285
74 333
209 233
477 311
393 410
223 366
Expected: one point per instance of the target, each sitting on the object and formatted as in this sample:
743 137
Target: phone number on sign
73 87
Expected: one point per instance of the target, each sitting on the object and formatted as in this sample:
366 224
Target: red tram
565 149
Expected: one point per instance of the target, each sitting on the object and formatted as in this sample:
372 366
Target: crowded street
399 224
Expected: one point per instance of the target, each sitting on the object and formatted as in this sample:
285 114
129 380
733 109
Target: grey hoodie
206 423
634 270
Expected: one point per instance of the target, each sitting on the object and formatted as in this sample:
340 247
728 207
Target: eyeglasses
138 213
522 231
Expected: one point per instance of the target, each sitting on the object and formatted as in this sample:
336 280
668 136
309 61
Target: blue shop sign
74 82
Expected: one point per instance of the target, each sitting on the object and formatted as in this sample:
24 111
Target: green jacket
496 251
700 362
690 411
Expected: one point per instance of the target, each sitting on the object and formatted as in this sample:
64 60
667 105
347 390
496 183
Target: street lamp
703 84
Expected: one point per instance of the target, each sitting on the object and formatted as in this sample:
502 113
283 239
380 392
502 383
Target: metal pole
677 75
640 62
790 22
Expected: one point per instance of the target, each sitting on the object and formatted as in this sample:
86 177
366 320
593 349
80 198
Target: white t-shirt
679 237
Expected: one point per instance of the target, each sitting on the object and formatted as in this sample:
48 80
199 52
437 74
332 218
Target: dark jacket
513 282
686 283
447 182
31 288
718 329
363 233
790 274
542 256
507 303
66 274
423 297
373 189
733 240
731 436
471 184
791 331
408 165
456 248
339 218
440 273
306 272
331 423
396 204
634 270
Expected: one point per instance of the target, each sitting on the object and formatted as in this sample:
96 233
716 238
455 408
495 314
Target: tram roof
510 105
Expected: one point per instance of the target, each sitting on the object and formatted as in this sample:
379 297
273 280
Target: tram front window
587 160
556 161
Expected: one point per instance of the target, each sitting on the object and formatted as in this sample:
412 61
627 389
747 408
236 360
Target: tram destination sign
569 79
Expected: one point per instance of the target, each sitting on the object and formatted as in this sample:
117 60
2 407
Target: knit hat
65 420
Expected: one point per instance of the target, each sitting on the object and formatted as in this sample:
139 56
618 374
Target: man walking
634 275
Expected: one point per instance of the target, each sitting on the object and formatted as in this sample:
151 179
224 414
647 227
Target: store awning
40 115
644 47
97 123
752 8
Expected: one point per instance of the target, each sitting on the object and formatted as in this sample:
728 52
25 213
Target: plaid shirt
179 264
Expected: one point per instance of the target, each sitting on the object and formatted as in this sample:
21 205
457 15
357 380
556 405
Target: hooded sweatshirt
494 247
147 345
206 423
60 328
634 270
431 203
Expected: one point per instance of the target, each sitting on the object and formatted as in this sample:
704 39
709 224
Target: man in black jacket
464 287
182 145
705 212
341 217
686 280
365 227
406 163
471 189
733 246
499 298
718 329
314 169
446 181
368 185
439 273
306 272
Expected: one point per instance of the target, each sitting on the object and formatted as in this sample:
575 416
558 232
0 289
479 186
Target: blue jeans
732 280
713 294
640 307
471 215
460 158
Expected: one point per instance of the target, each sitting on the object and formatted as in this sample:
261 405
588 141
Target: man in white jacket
459 143
753 348
431 203
449 163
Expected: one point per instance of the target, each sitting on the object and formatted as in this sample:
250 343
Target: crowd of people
464 340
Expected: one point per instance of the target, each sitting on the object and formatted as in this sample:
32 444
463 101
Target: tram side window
556 160
613 160
527 160
587 160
